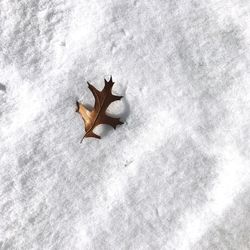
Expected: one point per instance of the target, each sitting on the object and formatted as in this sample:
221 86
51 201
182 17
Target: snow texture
176 175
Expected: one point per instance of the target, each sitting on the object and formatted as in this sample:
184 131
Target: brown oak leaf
96 116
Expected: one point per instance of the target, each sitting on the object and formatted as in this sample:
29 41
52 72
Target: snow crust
176 175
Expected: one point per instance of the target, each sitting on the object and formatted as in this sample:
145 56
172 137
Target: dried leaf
97 116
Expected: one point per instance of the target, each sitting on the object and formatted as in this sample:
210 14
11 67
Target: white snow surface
176 175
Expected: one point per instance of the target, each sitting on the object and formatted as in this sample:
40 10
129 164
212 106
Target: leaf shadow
88 106
126 110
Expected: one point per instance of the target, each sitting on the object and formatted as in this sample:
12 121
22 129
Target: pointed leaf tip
77 106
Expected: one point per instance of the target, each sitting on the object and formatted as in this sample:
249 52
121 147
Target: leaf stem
82 138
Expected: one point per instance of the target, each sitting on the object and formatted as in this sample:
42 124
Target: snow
176 175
